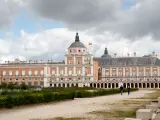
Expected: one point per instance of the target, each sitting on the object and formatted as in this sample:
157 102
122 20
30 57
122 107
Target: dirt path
74 108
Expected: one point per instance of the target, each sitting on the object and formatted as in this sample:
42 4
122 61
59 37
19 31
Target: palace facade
77 67
80 69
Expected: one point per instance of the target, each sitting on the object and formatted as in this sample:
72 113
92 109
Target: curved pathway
73 108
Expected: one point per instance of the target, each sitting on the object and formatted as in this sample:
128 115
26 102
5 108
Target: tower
78 61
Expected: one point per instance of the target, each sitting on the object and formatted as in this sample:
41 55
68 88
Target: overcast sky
44 29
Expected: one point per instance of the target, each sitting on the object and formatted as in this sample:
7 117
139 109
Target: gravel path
73 108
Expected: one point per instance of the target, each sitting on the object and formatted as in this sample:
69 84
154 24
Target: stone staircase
152 112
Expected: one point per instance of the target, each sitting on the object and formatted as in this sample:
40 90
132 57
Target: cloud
8 9
52 44
75 13
139 20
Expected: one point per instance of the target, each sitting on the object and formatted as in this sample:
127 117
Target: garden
22 95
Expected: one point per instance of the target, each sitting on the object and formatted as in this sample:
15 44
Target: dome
106 55
77 43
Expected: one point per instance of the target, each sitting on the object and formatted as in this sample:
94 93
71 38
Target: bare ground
74 108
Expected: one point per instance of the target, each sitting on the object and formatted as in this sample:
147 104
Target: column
151 73
66 60
124 75
158 73
92 74
74 60
137 70
144 73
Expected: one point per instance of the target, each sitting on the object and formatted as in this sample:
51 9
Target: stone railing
152 112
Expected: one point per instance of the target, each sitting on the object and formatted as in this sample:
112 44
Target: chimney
153 53
134 54
115 55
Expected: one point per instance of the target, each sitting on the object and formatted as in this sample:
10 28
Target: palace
80 69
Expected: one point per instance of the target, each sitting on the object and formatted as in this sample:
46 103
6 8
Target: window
23 79
35 79
17 79
29 78
10 72
70 50
79 72
4 72
70 72
79 50
10 79
70 78
17 72
61 71
23 72
79 78
61 78
69 62
42 73
78 62
4 79
53 72
29 72
41 78
35 72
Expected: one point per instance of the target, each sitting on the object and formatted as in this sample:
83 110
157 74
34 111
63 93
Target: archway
144 85
136 85
59 85
116 85
113 85
109 85
67 84
140 85
124 85
98 86
132 85
72 85
159 85
128 84
147 85
101 85
55 85
156 85
152 85
94 85
64 85
76 84
91 85
105 85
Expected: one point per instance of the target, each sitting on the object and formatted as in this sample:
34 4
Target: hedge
17 100
35 97
82 94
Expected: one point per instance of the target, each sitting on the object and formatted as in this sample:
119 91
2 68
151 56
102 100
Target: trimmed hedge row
9 101
82 94
17 100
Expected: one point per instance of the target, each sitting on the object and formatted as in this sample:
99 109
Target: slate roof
77 43
128 61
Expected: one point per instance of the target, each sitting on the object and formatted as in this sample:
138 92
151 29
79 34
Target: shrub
3 85
33 98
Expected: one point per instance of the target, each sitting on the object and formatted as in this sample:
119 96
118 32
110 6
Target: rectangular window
35 72
30 73
10 73
42 73
17 72
53 72
61 72
23 72
4 72
70 72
